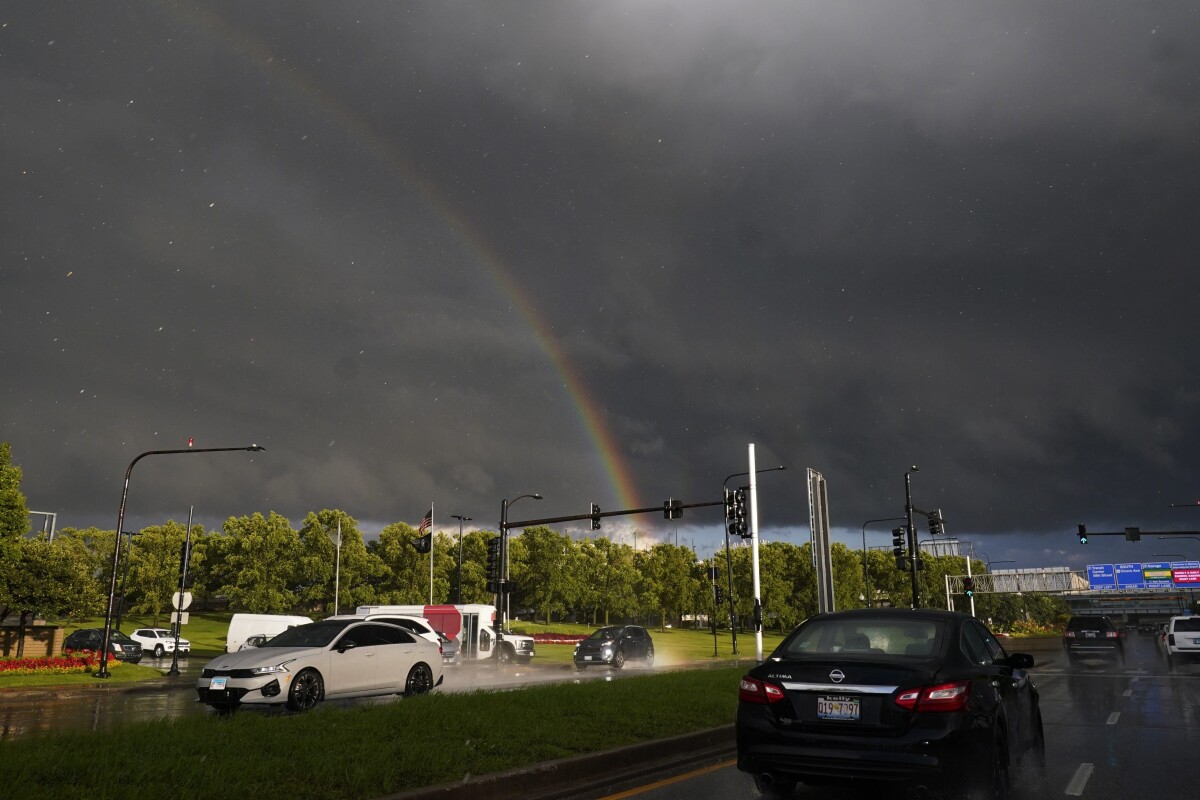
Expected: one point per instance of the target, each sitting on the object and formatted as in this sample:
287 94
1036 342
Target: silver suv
1183 640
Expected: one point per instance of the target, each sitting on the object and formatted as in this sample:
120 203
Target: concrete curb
590 775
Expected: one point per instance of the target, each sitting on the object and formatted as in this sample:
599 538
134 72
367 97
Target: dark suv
613 645
1087 637
120 646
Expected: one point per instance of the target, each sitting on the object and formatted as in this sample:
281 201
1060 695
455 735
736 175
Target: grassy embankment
369 751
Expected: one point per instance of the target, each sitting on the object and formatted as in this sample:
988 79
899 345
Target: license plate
217 684
1089 634
838 707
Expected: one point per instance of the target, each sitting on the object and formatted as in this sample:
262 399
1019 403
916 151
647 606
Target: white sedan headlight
271 669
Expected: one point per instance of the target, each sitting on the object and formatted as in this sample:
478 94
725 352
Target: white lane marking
1079 780
1112 718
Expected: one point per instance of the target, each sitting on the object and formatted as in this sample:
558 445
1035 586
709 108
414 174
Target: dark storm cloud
862 236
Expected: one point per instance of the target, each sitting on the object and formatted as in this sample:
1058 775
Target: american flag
426 521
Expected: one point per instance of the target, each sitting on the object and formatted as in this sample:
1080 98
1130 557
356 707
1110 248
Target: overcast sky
453 253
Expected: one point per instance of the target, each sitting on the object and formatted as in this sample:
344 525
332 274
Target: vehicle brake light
753 690
941 697
1069 634
1111 635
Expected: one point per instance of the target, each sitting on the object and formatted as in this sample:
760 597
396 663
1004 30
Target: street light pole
461 519
502 601
912 537
112 584
125 577
179 607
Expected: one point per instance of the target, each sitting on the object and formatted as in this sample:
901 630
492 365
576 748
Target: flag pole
431 554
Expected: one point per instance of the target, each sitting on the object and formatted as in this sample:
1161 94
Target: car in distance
334 658
120 646
1182 640
450 648
926 700
160 641
614 645
1093 636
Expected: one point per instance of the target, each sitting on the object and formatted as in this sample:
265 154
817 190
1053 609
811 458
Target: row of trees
262 564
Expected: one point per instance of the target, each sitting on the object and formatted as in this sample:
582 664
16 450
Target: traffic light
899 550
493 564
720 595
969 587
1082 534
673 509
738 524
937 526
595 517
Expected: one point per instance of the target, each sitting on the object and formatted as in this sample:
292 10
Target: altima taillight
753 690
1112 635
942 697
1069 634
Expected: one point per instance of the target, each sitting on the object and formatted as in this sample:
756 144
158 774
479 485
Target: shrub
66 664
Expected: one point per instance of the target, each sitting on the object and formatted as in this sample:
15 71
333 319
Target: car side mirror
1020 660
344 646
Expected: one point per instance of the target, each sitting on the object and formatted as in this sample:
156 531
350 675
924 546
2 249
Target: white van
244 626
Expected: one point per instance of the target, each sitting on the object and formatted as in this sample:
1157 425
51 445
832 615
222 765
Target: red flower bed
558 638
66 664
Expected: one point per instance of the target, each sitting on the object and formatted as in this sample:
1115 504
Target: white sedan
326 660
160 641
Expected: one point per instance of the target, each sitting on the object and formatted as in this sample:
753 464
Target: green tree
45 580
324 567
261 560
673 583
541 570
154 567
14 514
406 577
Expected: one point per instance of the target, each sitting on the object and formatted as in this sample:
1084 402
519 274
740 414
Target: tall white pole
969 575
758 613
337 568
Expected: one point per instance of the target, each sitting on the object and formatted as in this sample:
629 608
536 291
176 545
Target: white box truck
245 626
472 625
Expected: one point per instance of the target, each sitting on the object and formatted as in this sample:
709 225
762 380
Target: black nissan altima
921 698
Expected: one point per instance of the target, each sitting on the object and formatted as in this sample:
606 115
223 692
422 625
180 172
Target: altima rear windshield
318 634
894 637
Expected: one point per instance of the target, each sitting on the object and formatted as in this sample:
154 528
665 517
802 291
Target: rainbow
364 133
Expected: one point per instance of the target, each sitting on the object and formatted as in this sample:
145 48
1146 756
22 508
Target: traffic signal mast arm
528 523
1132 534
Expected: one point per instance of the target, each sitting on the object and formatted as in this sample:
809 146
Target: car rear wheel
581 666
991 776
158 651
306 691
420 680
618 659
650 657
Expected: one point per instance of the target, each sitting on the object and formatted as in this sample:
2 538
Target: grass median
367 751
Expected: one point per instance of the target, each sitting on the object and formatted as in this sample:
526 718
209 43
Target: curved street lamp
112 588
502 604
